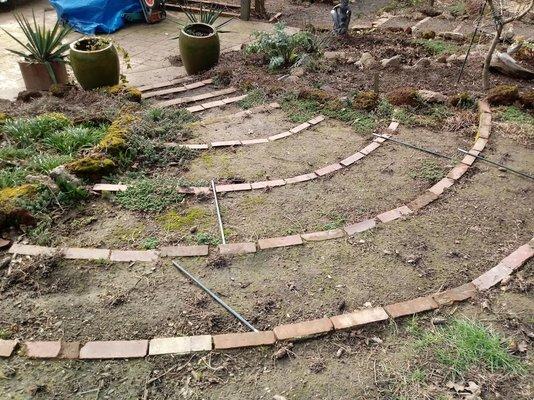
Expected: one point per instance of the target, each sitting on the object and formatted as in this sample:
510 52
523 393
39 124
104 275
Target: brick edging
126 349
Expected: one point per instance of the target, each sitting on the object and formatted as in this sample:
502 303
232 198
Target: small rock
422 63
4 243
442 59
339 352
298 71
392 62
60 172
438 320
334 55
418 15
367 60
43 180
454 36
432 97
455 59
447 15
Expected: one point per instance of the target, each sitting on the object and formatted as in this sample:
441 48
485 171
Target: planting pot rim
110 44
213 33
40 62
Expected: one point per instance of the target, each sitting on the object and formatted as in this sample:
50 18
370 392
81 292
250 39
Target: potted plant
43 61
95 62
199 40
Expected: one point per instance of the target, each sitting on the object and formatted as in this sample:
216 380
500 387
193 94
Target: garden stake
415 147
215 297
218 211
497 164
482 9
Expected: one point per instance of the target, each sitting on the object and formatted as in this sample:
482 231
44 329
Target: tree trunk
487 61
259 8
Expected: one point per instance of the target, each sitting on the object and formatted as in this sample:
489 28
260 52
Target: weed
514 115
206 238
458 8
26 131
336 220
437 47
165 124
10 177
152 195
41 234
150 243
429 171
73 138
173 221
44 163
255 97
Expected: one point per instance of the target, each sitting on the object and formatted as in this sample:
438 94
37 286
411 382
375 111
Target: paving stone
301 178
304 329
234 187
352 159
133 255
280 136
87 253
180 345
265 184
184 251
282 241
300 127
492 277
114 349
439 187
409 307
7 347
370 148
108 187
358 318
212 104
234 99
323 235
237 248
31 250
194 109
316 120
226 143
458 171
459 293
328 169
42 349
479 145
360 227
422 200
247 339
69 350
254 141
518 257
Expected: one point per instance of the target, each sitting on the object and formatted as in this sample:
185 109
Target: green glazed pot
94 68
199 53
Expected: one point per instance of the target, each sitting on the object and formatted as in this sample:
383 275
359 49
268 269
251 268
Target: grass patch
25 131
255 97
207 238
437 47
429 171
165 124
173 221
514 115
336 221
150 195
150 243
74 138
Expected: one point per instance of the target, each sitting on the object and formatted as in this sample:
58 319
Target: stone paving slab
410 307
7 347
459 293
492 277
323 235
180 345
184 251
42 349
133 255
360 227
282 241
237 248
238 340
301 330
114 349
86 253
358 318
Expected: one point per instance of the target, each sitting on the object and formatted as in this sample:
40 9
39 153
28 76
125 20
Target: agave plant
44 45
207 15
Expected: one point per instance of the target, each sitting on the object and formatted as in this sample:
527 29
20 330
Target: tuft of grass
437 47
173 221
25 131
150 243
10 177
255 97
8 153
45 163
207 238
165 124
429 171
74 138
514 115
336 220
463 345
150 195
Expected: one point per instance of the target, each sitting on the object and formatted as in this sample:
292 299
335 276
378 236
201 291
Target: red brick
69 350
443 184
328 169
518 257
304 329
370 148
490 278
409 307
266 184
234 187
280 136
459 293
316 120
301 178
300 127
484 127
323 235
422 200
180 345
358 318
458 171
184 251
86 253
114 349
31 250
226 143
7 347
133 255
360 226
195 146
282 241
237 248
238 340
254 141
380 139
42 349
352 159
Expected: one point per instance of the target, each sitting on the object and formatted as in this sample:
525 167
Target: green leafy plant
206 238
149 195
44 45
206 15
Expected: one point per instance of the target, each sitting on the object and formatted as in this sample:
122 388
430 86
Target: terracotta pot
199 53
37 77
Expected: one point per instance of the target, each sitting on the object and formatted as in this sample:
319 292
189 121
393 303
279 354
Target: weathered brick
247 339
87 253
360 226
254 141
409 307
443 184
212 104
282 241
323 235
234 187
492 277
31 250
194 85
226 143
389 216
480 143
237 248
133 255
328 169
518 257
266 184
185 190
458 171
393 126
42 349
194 109
197 146
422 200
459 293
316 120
280 136
300 127
7 347
184 251
483 106
352 159
370 148
180 345
201 190
108 187
114 349
301 178
358 318
304 329
234 99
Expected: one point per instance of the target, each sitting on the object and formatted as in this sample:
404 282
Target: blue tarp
95 16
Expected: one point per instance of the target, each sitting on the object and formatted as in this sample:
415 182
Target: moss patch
503 95
129 92
117 134
92 167
403 96
173 221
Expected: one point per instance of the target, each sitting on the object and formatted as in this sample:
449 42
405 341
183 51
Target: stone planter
37 77
199 47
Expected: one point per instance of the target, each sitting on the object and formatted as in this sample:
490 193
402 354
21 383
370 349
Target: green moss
129 92
11 213
462 100
173 221
503 95
366 100
117 134
403 96
92 166
12 193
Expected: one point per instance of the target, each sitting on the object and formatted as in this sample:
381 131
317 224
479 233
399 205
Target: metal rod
483 8
215 297
414 147
497 164
218 211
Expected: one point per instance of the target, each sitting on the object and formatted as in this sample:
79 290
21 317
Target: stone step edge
193 99
181 88
213 104
292 331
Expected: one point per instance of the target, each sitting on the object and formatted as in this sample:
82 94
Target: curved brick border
122 349
415 205
237 187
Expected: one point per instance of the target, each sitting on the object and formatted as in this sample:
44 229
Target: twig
173 368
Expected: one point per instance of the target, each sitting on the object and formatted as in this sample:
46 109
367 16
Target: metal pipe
414 147
497 164
218 211
215 297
